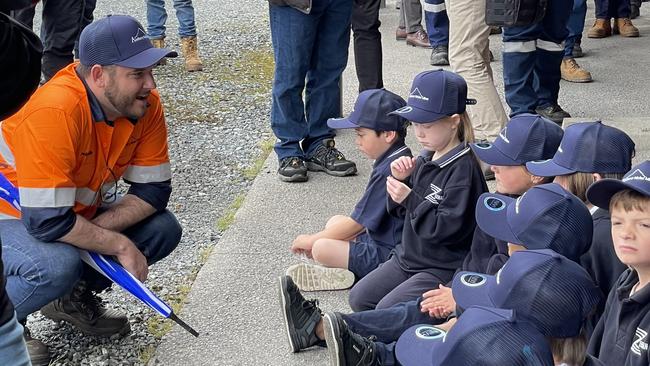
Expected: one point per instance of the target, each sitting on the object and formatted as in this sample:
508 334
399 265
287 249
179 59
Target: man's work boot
572 72
602 28
190 49
83 309
301 316
495 30
418 39
39 355
400 34
635 10
329 159
346 347
553 112
160 43
292 169
577 51
439 56
625 28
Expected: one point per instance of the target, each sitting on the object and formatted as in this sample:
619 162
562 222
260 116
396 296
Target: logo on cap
504 135
559 149
494 204
139 36
636 175
428 332
416 94
473 279
518 201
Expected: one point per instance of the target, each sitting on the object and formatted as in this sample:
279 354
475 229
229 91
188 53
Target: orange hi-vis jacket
61 154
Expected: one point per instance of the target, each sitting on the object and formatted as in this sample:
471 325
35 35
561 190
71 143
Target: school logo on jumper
139 35
640 343
636 175
504 135
415 94
435 196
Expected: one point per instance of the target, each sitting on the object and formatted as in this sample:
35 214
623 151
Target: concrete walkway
234 304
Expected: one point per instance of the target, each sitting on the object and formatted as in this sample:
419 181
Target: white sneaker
313 277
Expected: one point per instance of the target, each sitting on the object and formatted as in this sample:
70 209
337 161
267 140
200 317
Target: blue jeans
157 17
531 60
13 350
435 15
575 26
311 52
38 272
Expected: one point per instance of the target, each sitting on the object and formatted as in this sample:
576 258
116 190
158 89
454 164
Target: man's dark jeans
367 44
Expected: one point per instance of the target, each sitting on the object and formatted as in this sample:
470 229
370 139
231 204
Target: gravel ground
217 121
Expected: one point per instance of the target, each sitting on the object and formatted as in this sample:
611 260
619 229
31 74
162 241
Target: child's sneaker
346 347
330 160
300 316
313 277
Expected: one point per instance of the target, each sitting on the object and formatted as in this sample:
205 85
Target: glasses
107 192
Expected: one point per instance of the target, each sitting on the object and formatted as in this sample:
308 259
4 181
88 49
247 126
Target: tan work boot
625 28
190 48
572 72
160 43
602 28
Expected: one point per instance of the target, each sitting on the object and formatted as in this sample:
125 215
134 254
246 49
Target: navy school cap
119 40
637 179
435 94
482 336
525 138
588 147
371 111
553 292
544 217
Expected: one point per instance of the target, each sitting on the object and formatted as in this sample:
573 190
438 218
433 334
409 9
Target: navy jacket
621 336
601 261
439 222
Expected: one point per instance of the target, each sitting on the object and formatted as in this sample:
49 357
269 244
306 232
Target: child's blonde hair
465 128
630 200
571 351
577 183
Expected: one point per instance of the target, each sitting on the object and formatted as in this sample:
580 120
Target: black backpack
514 13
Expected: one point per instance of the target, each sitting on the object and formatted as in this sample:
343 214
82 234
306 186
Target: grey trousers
410 15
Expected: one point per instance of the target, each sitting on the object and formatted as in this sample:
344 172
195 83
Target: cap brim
489 154
147 58
494 221
417 115
601 192
341 123
467 294
547 168
414 350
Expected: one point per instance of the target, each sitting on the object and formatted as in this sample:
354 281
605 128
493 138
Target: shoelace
290 162
311 304
573 64
331 154
89 303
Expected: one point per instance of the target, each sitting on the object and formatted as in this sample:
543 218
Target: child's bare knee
319 250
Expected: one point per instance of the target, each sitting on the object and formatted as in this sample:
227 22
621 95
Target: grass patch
252 171
147 353
229 217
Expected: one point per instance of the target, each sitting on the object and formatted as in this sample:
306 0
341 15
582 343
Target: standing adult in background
86 18
156 19
310 47
570 70
532 56
59 31
367 44
469 55
620 11
410 24
435 14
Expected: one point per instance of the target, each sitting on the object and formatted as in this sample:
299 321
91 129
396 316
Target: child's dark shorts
366 255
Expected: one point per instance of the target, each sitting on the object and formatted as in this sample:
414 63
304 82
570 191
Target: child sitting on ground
352 246
621 336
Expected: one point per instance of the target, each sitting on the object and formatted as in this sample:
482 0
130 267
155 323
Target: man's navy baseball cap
371 111
553 292
119 40
544 217
482 336
435 94
637 179
525 138
588 147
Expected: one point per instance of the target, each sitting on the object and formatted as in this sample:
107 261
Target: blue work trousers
157 17
38 272
435 15
607 9
311 52
531 60
575 26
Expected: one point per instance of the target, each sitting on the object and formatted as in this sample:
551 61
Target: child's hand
403 167
397 190
439 303
303 244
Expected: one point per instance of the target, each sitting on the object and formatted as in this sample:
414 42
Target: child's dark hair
401 134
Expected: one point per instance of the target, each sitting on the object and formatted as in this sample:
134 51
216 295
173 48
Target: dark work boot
300 316
85 310
39 355
328 159
346 348
439 55
292 169
553 112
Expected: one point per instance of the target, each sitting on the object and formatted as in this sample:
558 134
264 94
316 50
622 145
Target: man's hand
303 244
132 259
397 190
439 303
403 167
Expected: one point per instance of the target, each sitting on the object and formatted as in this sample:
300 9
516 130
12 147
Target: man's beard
122 103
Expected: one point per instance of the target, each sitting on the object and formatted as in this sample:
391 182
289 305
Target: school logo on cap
518 201
473 279
404 109
636 175
494 204
640 343
429 332
139 36
504 135
416 94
